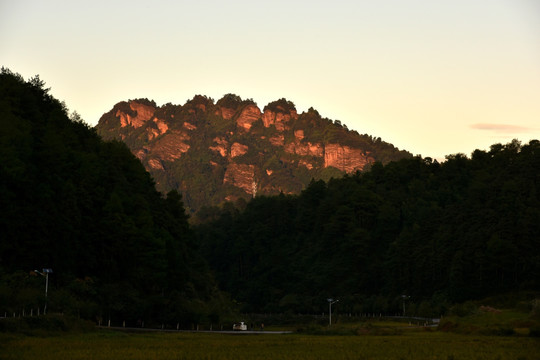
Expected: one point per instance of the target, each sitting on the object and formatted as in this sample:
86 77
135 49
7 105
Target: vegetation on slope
199 172
412 234
436 233
88 209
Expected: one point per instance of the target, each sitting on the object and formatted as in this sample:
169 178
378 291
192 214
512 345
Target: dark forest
438 233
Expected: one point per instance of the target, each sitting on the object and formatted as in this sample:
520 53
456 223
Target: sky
434 77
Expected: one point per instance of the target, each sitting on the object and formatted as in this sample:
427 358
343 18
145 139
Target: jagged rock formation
224 151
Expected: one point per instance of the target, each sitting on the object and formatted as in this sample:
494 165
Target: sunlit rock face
226 113
221 146
161 125
248 116
155 164
241 176
238 149
305 149
277 140
308 165
171 146
189 126
345 158
217 153
143 113
279 119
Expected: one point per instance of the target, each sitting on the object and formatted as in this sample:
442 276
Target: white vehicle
240 327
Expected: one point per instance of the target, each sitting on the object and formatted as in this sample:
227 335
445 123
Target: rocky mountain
230 150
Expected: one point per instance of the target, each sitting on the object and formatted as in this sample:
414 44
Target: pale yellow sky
432 77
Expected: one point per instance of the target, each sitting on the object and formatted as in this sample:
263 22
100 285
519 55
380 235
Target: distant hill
231 150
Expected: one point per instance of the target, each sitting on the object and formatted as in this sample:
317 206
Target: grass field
105 344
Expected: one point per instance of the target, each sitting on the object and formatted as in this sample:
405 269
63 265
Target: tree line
414 230
88 210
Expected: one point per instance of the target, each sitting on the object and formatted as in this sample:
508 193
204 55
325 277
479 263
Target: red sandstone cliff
345 158
227 152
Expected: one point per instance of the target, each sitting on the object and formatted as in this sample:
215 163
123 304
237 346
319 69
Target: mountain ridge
229 150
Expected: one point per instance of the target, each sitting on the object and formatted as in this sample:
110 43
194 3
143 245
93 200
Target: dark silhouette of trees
440 233
89 210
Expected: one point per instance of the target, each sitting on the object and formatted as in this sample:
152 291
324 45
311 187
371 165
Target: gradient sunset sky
434 77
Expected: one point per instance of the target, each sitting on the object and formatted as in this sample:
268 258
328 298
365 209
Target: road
230 332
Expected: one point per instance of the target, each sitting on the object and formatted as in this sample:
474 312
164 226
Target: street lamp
330 302
45 273
404 297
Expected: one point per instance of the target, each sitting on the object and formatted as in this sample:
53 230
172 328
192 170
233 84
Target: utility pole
404 297
45 273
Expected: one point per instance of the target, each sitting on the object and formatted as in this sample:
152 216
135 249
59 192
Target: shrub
44 324
465 309
534 331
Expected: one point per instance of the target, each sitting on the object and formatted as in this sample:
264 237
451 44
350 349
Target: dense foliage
437 233
88 209
413 232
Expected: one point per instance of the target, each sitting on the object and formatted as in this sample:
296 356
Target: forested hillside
88 210
417 231
436 233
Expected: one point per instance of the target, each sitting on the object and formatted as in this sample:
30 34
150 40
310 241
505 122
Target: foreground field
416 345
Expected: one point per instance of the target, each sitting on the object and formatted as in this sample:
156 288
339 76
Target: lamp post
45 273
404 297
330 302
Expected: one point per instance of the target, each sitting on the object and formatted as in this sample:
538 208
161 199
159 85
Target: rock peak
214 152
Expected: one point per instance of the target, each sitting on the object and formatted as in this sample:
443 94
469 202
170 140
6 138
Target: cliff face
214 152
345 158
